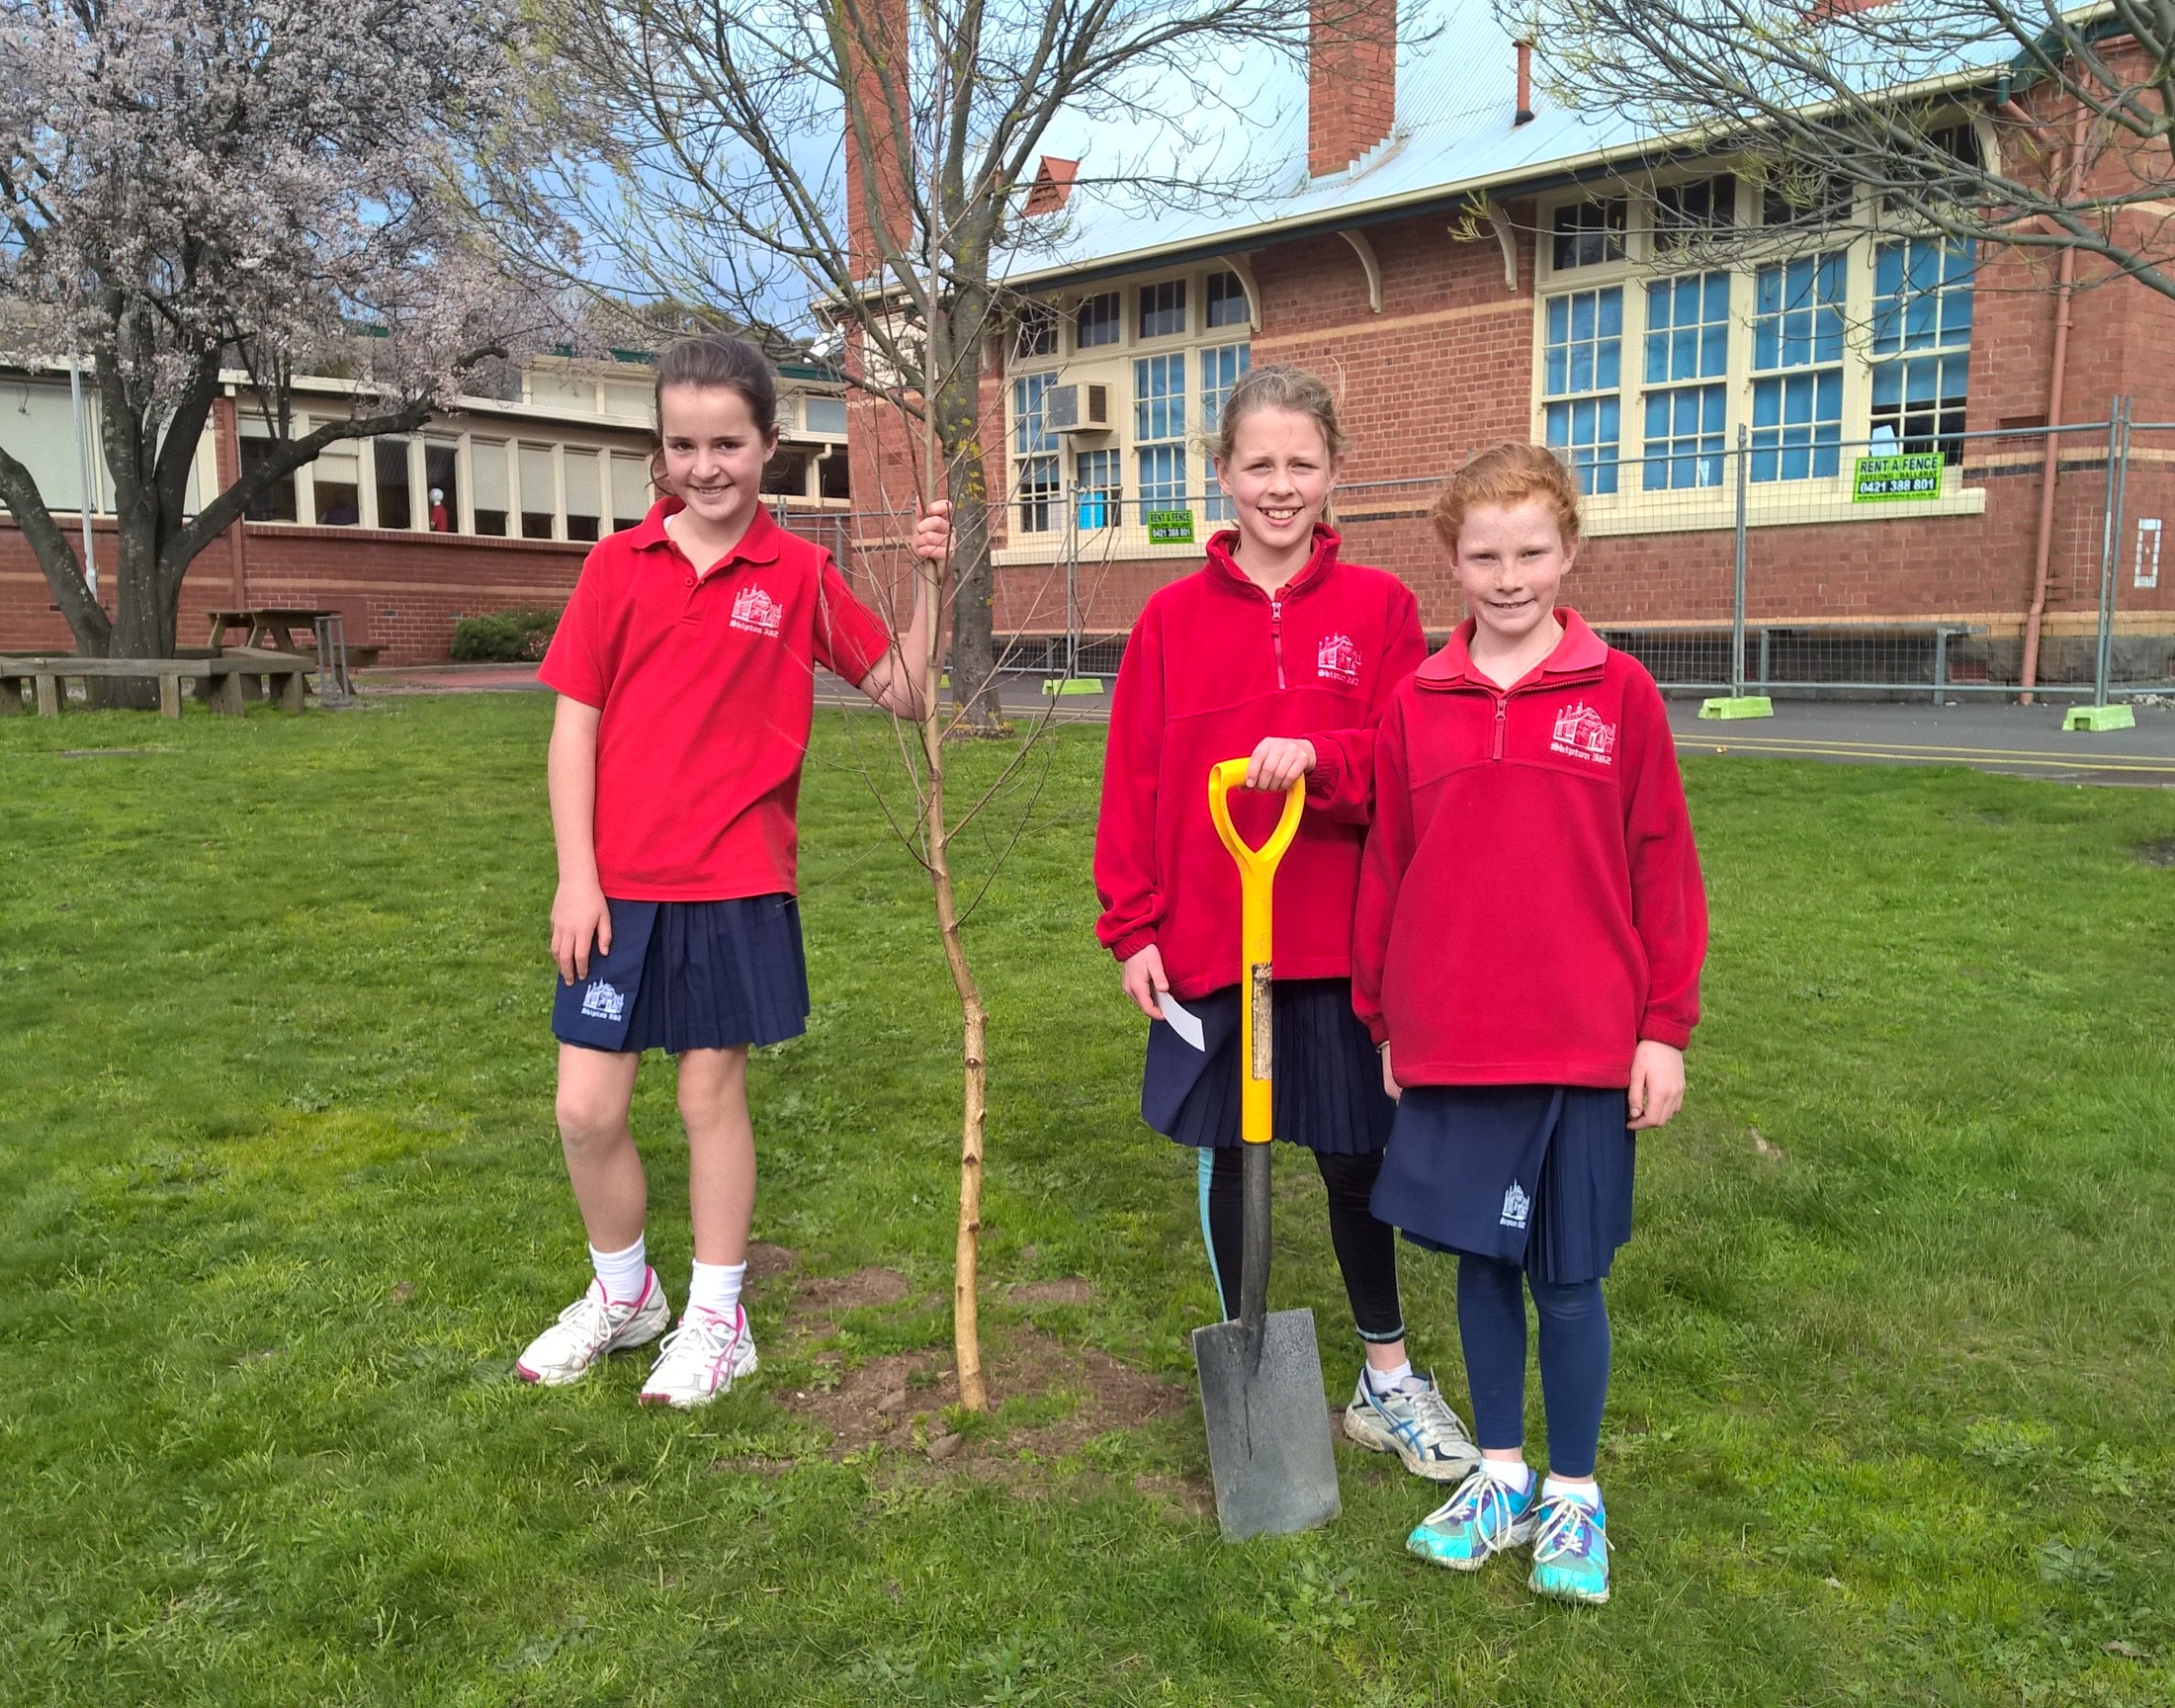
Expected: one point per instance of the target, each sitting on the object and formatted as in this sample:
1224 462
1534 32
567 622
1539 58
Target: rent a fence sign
1169 527
1882 479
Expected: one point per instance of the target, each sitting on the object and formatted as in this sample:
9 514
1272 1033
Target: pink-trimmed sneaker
700 1360
591 1326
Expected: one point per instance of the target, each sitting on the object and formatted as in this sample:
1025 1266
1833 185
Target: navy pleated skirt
716 975
1537 1175
1328 1078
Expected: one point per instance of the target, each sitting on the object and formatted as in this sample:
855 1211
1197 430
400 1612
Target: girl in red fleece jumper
1530 932
1278 651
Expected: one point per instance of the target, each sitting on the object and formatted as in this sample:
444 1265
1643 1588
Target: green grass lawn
280 1199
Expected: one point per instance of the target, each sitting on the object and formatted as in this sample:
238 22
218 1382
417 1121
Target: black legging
1367 1249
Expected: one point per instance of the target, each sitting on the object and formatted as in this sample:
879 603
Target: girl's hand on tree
579 915
1389 1079
932 535
1279 762
1657 1084
1142 981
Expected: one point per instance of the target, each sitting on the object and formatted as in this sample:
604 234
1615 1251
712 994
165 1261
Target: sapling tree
192 189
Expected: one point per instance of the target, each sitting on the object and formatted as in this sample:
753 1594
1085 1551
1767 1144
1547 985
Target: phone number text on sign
1915 475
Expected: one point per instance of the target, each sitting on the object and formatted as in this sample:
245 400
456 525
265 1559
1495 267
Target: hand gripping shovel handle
1257 889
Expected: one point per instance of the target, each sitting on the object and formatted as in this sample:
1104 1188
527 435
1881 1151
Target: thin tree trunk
974 604
974 1394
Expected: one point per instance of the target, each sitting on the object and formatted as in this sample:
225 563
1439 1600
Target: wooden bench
219 680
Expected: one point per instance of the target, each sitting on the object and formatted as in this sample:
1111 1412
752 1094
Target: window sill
1101 546
1786 504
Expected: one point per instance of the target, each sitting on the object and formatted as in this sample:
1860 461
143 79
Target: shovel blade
1268 1441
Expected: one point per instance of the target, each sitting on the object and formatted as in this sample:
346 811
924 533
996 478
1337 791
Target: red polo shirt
707 688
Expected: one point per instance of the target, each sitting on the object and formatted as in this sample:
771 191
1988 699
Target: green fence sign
1170 527
1883 479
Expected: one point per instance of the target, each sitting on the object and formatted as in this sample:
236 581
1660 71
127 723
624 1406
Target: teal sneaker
1484 1517
1571 1551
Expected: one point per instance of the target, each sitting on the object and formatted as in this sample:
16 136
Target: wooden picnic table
269 627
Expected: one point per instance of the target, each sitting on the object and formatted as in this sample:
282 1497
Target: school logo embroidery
754 612
1515 1206
1581 733
1336 659
602 1001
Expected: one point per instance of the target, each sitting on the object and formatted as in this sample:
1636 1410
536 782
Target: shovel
1268 1442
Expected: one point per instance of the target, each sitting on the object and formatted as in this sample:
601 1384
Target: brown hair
716 360
1278 387
1508 474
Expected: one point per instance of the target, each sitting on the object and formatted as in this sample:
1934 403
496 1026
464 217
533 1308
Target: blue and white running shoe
1413 1421
1485 1516
1571 1550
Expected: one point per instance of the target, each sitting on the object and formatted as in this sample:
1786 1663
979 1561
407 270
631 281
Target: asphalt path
2019 740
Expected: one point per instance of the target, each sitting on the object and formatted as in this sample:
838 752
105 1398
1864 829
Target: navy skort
1328 1092
1536 1175
714 976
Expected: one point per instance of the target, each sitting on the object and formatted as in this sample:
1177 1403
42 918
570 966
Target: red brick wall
400 591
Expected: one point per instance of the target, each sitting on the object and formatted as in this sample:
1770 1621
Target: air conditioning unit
1076 408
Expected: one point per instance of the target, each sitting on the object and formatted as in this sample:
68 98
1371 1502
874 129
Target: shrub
504 636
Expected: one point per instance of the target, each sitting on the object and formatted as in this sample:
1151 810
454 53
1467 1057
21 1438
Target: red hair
1508 474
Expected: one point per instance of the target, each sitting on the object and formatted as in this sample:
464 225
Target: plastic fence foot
2094 717
1737 705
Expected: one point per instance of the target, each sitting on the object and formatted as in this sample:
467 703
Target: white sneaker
700 1360
1413 1421
591 1326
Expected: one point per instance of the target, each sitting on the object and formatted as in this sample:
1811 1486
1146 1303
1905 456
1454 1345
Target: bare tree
267 186
2029 127
727 121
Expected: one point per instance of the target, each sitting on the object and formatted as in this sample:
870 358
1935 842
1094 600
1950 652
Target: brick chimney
876 56
1352 80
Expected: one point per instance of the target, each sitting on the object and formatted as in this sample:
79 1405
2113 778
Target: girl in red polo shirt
1531 928
685 669
1278 651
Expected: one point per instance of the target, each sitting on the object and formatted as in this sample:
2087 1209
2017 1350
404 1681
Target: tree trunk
974 596
974 1394
143 611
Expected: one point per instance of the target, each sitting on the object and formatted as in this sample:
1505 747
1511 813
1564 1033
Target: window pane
1162 477
1227 304
1684 212
1031 431
1097 472
827 415
1588 233
1034 331
1586 343
1684 436
539 493
275 504
335 478
390 459
1797 319
1688 327
1037 494
1797 426
1585 435
1158 397
1162 310
441 486
1099 321
630 489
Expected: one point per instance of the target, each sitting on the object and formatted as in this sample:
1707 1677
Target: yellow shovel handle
1257 889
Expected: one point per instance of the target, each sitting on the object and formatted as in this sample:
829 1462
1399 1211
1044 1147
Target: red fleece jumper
1214 665
1531 908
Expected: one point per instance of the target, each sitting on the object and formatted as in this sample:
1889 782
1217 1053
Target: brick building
490 506
1467 264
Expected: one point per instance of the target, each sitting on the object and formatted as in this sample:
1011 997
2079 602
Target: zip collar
1581 652
1223 563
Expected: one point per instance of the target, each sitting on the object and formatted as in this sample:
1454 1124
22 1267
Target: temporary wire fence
1921 562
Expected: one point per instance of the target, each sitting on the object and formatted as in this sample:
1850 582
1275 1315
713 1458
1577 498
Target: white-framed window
1034 453
1162 310
1222 368
1098 483
1920 344
1101 322
1687 340
1797 368
1034 331
1159 429
1781 310
1583 377
1226 302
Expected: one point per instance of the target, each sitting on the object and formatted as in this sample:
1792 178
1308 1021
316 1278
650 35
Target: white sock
1511 1473
1586 1494
716 1286
622 1272
1382 1381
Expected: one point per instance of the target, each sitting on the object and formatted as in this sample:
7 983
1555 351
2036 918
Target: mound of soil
1071 1290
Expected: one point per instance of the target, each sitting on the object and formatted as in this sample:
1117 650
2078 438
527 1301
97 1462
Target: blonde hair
1276 387
1508 474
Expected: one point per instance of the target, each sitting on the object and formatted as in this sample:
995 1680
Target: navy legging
1574 1359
